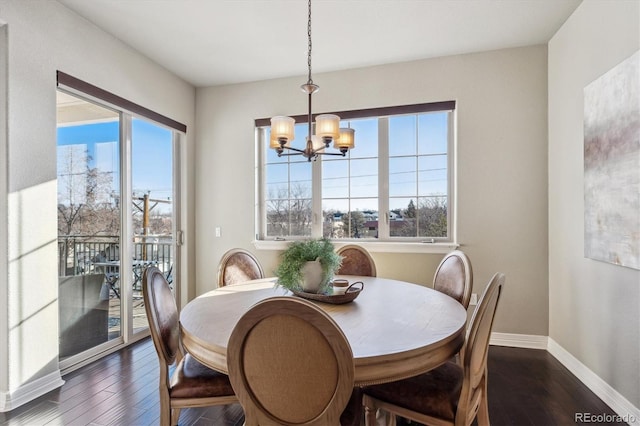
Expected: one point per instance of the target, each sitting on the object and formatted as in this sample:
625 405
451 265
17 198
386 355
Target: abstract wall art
612 165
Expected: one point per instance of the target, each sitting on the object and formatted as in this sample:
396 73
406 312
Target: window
395 185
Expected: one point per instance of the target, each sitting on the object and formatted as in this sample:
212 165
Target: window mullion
383 178
289 198
451 176
261 187
417 163
126 226
316 198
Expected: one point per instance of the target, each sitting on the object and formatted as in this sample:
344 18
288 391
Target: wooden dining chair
191 384
290 364
356 260
450 394
454 277
238 265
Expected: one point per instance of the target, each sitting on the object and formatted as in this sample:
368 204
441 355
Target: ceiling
216 42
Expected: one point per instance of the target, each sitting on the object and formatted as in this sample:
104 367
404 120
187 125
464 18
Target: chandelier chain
309 44
327 125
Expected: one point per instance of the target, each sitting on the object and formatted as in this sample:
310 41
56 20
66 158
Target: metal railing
79 254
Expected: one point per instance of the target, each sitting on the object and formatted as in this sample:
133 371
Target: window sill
371 246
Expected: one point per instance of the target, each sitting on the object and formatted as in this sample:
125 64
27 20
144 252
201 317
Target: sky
152 154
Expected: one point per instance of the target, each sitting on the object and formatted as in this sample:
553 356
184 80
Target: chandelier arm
341 154
303 152
297 150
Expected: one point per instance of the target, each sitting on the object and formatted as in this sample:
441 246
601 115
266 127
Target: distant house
395 216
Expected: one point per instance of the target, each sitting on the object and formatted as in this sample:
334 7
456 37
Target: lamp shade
328 126
275 143
317 143
346 139
282 127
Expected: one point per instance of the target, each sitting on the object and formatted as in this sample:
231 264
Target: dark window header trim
91 90
375 112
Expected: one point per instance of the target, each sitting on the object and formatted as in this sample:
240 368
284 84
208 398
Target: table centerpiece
308 266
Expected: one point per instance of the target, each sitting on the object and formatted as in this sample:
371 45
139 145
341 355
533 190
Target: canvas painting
612 165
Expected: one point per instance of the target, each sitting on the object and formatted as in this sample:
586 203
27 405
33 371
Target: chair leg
483 408
165 415
370 416
374 416
175 415
387 418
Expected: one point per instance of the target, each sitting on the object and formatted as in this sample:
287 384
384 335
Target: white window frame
387 244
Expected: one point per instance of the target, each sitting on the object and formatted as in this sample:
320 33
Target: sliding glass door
153 207
89 224
116 216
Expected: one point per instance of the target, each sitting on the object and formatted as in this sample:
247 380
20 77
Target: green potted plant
308 266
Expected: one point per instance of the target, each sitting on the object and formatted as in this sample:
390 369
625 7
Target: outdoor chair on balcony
83 313
107 261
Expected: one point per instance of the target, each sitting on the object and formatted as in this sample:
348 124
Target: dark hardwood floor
531 387
526 387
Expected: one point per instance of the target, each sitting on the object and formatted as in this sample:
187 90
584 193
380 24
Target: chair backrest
289 363
238 265
112 252
356 260
454 277
162 314
476 347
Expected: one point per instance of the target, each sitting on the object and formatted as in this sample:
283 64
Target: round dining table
396 329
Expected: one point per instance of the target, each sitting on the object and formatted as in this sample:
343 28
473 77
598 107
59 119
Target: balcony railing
82 255
90 293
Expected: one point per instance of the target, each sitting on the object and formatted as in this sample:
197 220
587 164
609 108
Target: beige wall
594 307
41 37
502 165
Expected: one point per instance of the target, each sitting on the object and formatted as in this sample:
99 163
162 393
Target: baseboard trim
529 341
618 403
30 391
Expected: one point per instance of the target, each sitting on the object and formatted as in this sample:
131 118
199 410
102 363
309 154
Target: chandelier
327 125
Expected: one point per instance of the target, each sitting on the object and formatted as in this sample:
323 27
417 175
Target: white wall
42 37
594 307
502 166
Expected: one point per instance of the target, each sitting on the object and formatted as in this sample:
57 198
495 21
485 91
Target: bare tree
432 217
289 212
356 224
429 219
85 205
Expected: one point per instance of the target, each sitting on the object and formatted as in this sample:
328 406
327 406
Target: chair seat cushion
194 380
435 393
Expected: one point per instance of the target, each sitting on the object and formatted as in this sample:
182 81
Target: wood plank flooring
531 387
526 387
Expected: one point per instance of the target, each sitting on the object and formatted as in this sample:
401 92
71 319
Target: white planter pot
312 276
